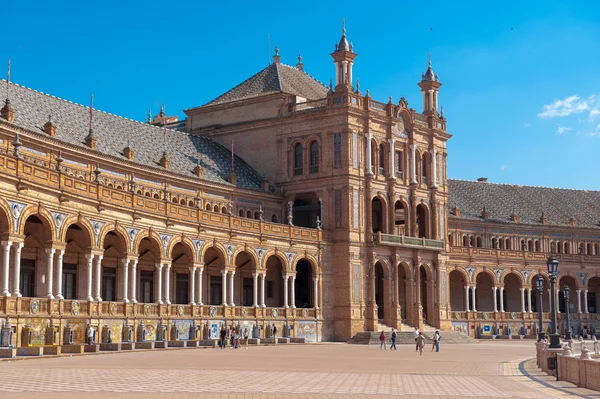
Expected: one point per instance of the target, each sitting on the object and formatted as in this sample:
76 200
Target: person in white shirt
90 334
416 334
436 342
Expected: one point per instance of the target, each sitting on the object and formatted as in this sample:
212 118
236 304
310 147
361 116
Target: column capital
192 268
198 264
99 257
18 245
50 251
158 266
224 272
90 256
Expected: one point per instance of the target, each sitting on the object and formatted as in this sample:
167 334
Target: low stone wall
582 369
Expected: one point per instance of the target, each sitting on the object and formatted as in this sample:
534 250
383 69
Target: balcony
408 242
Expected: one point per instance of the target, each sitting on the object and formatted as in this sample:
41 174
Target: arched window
465 241
314 157
190 203
424 169
494 243
241 213
523 246
450 239
501 243
174 200
139 192
208 207
216 208
595 249
223 209
507 243
537 246
530 246
156 196
381 159
479 242
589 249
274 218
567 248
147 194
559 248
552 247
256 215
298 161
249 214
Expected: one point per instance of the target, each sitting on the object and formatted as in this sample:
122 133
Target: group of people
419 341
233 334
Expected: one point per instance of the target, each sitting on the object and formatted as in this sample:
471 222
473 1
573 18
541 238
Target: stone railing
411 242
107 189
582 369
526 255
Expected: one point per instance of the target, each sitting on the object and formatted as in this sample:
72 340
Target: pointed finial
276 50
299 58
330 83
442 110
429 58
149 115
343 26
357 84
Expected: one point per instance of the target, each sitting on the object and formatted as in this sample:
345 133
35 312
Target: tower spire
343 27
343 57
430 86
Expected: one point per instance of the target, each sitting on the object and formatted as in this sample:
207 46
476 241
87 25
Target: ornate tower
343 57
430 87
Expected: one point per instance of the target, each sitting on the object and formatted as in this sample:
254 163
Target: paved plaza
479 370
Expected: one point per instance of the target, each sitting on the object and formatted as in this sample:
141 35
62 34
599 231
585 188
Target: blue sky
521 81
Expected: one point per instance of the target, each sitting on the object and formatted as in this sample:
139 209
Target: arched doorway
182 259
303 285
457 291
512 293
424 293
148 257
422 222
400 219
535 295
403 281
214 264
37 232
274 289
593 296
115 250
244 280
484 296
562 283
377 215
380 291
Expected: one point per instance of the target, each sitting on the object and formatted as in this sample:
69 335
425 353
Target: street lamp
566 292
553 272
540 288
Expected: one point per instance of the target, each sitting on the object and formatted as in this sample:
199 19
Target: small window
382 160
314 157
398 164
249 214
274 218
537 246
507 243
241 213
208 207
424 169
494 243
298 161
182 202
191 203
223 209
156 196
465 241
479 243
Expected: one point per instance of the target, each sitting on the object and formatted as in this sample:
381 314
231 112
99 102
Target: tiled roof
501 200
276 78
113 133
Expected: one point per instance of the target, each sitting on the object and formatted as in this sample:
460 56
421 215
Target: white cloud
503 167
572 105
563 129
527 124
594 133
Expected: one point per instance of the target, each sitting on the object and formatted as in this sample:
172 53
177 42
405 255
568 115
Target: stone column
467 309
133 278
192 284
59 272
529 300
224 286
293 289
255 290
502 299
413 164
167 270
316 292
433 152
90 259
522 300
98 277
231 288
392 158
579 301
124 295
585 301
50 270
5 267
262 290
159 288
17 270
474 296
285 291
200 272
369 157
495 289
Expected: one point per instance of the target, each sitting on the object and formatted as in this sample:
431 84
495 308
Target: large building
335 216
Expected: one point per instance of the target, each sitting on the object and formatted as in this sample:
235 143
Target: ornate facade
334 216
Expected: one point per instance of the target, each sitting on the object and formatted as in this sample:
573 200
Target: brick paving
480 370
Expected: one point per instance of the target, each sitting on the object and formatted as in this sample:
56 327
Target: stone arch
512 283
250 251
533 275
379 222
117 228
507 272
153 236
81 222
428 267
278 254
587 279
6 218
186 242
42 214
457 281
464 273
310 259
385 264
485 271
408 118
560 282
217 247
402 214
423 222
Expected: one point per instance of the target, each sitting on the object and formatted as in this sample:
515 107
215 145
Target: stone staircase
406 336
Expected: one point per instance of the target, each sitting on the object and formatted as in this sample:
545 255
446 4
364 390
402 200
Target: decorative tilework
59 219
442 217
356 283
338 208
16 209
337 150
444 287
355 150
97 227
355 214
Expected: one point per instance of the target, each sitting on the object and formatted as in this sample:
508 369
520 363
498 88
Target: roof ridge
84 106
278 77
235 87
304 72
525 185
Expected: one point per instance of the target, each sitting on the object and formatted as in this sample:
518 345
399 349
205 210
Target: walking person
394 336
382 344
223 341
90 334
416 335
420 343
436 342
275 332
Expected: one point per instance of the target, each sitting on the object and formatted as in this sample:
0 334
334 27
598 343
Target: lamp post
553 272
540 288
566 292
